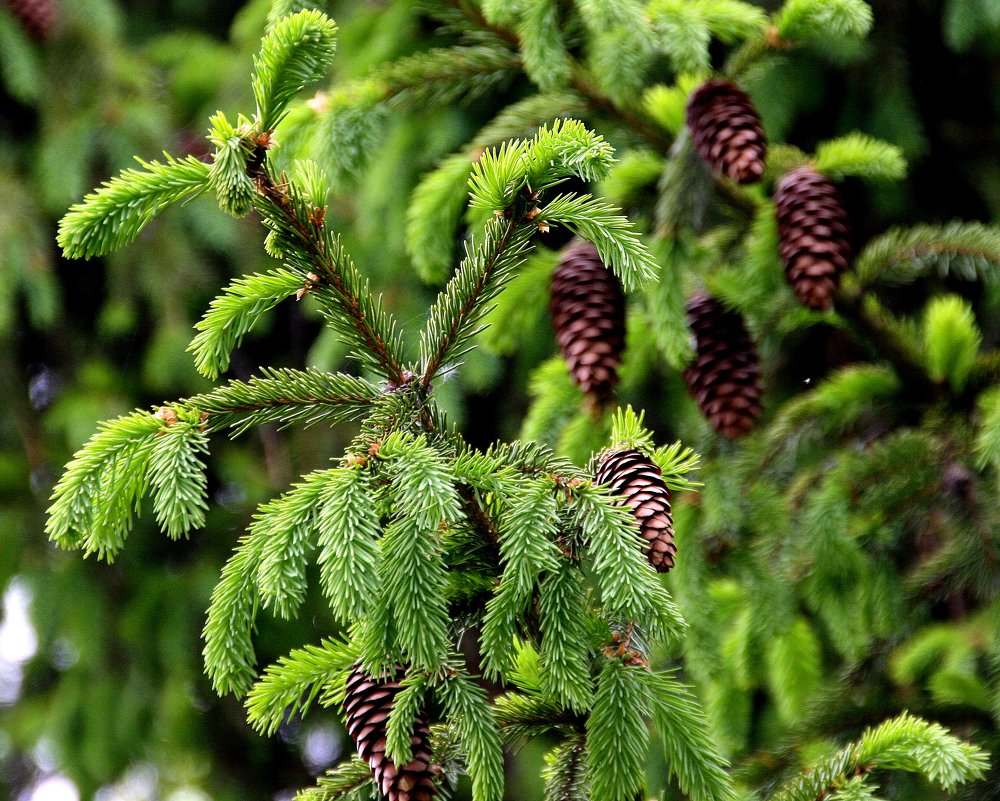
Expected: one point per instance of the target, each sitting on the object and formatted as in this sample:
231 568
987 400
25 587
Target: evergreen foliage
836 566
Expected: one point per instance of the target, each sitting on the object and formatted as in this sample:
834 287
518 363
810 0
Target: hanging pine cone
37 16
638 481
724 377
812 235
367 704
726 131
588 314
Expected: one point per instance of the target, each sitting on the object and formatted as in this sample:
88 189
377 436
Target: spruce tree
865 495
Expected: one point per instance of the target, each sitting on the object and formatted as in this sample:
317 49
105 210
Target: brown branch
326 270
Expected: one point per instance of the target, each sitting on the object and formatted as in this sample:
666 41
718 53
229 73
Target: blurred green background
100 666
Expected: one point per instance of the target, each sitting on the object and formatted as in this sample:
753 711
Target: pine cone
367 705
640 484
812 235
726 131
588 314
724 377
37 16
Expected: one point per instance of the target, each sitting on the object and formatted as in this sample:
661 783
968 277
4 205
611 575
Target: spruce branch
432 217
522 118
228 177
903 743
628 584
287 526
692 755
466 708
886 340
412 581
327 272
406 706
578 81
617 736
348 526
860 155
95 502
968 250
546 61
234 313
812 20
620 45
287 397
685 28
289 686
295 51
441 76
228 651
951 340
177 478
522 717
455 316
350 781
564 658
113 216
617 241
565 771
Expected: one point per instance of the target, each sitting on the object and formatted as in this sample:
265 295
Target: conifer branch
229 652
969 250
348 527
522 717
903 743
359 314
295 51
443 75
466 707
565 771
462 304
886 341
289 686
578 81
95 502
234 313
692 755
349 781
617 736
113 216
287 397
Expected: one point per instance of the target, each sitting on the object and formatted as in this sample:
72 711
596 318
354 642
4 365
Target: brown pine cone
367 704
726 131
639 482
588 314
812 235
37 16
724 377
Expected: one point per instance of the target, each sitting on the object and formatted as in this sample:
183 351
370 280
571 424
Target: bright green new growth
296 51
814 19
951 339
113 216
422 542
685 28
860 155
